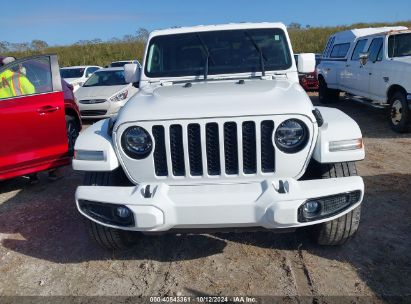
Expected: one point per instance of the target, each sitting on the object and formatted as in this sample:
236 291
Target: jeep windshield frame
183 55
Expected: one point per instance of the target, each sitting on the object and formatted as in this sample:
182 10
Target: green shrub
83 54
311 39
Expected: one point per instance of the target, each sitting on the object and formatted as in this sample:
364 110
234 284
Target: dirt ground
45 249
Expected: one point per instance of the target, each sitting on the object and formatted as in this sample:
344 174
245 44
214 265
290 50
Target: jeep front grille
214 149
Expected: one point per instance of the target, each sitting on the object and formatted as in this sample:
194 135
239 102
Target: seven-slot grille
213 149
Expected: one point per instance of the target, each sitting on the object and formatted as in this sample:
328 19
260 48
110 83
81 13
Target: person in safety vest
13 81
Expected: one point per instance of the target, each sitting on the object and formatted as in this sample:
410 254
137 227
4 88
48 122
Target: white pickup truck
373 66
220 136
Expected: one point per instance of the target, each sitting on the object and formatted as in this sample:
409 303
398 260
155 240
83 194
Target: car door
365 72
379 78
33 124
353 68
333 72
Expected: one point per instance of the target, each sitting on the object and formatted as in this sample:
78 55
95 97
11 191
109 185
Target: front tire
338 231
107 237
399 113
326 95
72 133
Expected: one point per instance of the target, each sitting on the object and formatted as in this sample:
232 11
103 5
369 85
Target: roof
80 66
350 35
217 27
110 69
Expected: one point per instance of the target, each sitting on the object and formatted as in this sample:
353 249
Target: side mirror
306 63
363 58
132 73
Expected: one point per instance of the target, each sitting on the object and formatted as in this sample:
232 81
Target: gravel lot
45 249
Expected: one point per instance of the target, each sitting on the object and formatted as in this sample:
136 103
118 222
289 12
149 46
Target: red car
38 131
308 81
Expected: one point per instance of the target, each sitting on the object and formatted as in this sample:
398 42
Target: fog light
322 207
122 212
311 207
111 214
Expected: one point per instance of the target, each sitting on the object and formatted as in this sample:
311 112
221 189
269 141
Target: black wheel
326 95
72 133
399 113
338 231
106 237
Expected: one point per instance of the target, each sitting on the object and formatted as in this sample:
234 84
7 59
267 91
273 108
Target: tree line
96 51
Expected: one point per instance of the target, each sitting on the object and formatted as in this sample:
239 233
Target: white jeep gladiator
373 66
221 136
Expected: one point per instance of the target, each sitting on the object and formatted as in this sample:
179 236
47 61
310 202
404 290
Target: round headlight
136 142
291 136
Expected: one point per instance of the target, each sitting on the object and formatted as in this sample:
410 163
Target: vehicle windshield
106 78
119 64
72 73
399 45
228 51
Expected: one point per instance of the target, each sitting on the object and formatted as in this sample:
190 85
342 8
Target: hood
217 99
103 92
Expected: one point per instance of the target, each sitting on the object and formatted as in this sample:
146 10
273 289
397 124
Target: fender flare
96 138
337 126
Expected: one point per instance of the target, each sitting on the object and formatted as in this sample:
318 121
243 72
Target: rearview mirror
306 63
363 58
132 73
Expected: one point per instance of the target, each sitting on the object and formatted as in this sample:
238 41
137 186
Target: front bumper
258 204
109 108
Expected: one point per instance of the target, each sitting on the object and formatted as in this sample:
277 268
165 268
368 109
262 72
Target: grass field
303 40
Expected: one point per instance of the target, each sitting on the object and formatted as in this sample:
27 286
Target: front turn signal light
346 145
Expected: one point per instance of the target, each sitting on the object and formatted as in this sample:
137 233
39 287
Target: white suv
220 136
373 66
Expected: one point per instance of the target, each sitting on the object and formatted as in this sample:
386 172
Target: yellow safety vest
14 84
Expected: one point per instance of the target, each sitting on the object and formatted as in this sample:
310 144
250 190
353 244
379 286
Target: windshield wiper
207 54
259 50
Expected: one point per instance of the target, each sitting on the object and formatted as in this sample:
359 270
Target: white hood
100 92
217 99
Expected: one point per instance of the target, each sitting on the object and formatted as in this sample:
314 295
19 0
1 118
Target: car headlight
291 136
120 96
136 142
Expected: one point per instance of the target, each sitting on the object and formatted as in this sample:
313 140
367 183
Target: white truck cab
220 136
372 65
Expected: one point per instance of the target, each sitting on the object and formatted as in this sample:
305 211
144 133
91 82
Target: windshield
229 51
106 78
399 45
119 64
72 73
